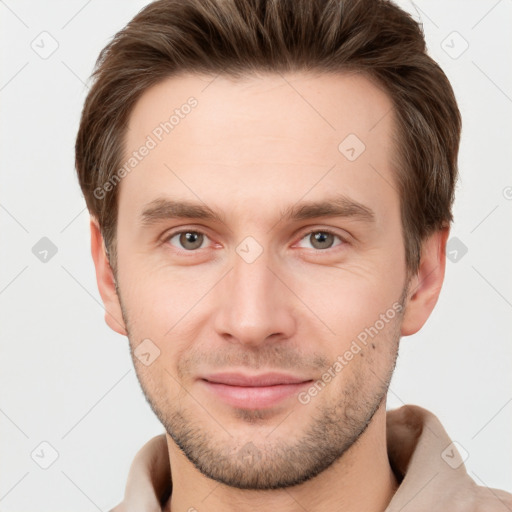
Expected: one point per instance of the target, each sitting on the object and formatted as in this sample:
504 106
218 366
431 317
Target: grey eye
321 239
188 240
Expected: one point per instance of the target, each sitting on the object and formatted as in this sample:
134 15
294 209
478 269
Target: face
261 265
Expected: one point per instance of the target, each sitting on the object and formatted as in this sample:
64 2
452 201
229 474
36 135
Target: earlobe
425 286
105 280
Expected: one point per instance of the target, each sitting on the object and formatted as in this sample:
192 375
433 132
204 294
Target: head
270 186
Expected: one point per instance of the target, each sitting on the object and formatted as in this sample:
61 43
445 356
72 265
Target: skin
251 148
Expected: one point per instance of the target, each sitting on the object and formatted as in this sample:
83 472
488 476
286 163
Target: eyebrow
163 209
336 206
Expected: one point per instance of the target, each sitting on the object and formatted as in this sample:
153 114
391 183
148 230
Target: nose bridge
253 283
254 305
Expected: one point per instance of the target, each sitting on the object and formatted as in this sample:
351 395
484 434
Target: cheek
158 296
347 298
168 307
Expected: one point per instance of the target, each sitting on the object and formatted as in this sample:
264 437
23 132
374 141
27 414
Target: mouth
253 391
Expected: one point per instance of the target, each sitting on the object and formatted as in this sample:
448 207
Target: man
270 186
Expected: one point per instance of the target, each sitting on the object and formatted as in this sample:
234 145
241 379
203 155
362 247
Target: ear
425 285
105 280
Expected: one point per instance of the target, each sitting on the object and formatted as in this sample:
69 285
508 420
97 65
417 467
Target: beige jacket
426 462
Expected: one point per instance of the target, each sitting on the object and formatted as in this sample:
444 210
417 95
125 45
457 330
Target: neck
361 479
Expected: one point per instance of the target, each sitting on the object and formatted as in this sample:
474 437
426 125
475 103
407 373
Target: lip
265 379
253 391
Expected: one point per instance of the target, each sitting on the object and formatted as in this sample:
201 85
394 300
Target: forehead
266 135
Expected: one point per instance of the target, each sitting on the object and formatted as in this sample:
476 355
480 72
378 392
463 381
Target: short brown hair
238 37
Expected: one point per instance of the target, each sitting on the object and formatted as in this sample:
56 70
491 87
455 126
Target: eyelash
343 240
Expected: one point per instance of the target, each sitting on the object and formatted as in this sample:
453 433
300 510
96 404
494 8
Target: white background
66 379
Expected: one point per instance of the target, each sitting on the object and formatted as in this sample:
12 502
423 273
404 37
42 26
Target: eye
322 239
188 240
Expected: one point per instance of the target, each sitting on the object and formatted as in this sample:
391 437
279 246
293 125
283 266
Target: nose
255 305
